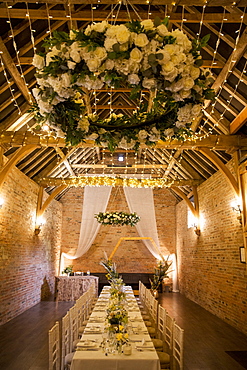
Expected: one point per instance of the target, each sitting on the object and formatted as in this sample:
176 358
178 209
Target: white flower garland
141 55
117 218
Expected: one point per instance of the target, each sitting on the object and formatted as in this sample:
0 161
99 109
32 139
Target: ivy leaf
157 21
159 56
112 55
165 21
198 62
152 59
116 48
205 40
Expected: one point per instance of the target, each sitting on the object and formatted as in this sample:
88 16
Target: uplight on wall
1 202
193 221
39 223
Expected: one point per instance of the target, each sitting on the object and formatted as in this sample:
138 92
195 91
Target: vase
119 348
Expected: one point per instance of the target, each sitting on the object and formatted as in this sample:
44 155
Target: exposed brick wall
132 256
210 272
28 263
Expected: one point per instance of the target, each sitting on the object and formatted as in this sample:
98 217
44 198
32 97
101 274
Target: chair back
73 315
66 343
161 323
154 309
54 347
168 337
178 347
142 292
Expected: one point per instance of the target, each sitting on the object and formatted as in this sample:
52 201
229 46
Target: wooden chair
178 347
54 347
161 326
74 336
166 356
67 355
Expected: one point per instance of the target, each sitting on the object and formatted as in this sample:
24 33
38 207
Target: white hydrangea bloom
109 42
147 24
133 79
141 40
162 30
136 55
122 34
38 61
149 83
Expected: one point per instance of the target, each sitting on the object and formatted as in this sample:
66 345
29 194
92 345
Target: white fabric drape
95 200
140 200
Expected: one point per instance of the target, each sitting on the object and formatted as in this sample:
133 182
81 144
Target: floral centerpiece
139 55
117 218
111 269
68 270
161 271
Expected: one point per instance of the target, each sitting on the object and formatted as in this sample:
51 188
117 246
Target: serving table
90 355
70 288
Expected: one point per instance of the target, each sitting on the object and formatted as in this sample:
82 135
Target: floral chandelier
117 218
140 55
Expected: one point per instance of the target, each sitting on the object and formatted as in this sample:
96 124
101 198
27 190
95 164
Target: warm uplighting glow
1 202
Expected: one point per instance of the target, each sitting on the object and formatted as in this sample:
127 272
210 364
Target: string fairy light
17 51
114 181
49 17
230 67
13 99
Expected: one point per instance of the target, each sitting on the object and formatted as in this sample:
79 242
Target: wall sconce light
39 223
237 208
1 202
197 230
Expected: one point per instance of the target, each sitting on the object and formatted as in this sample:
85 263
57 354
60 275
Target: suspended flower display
137 55
117 218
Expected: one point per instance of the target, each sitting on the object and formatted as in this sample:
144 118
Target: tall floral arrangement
140 55
161 271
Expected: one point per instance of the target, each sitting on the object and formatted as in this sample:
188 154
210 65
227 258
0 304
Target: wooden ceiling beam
216 3
65 161
218 142
99 15
51 181
223 75
11 67
239 121
222 167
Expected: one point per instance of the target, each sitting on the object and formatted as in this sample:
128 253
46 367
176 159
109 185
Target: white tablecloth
88 359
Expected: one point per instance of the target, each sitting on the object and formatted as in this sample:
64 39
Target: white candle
127 350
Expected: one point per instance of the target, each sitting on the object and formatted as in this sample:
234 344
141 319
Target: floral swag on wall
138 55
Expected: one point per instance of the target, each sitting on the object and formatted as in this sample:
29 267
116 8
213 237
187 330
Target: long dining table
90 355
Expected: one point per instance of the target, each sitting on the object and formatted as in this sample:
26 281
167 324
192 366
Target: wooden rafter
222 167
11 67
18 155
218 142
50 181
227 3
183 196
230 64
239 121
46 203
65 161
100 15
